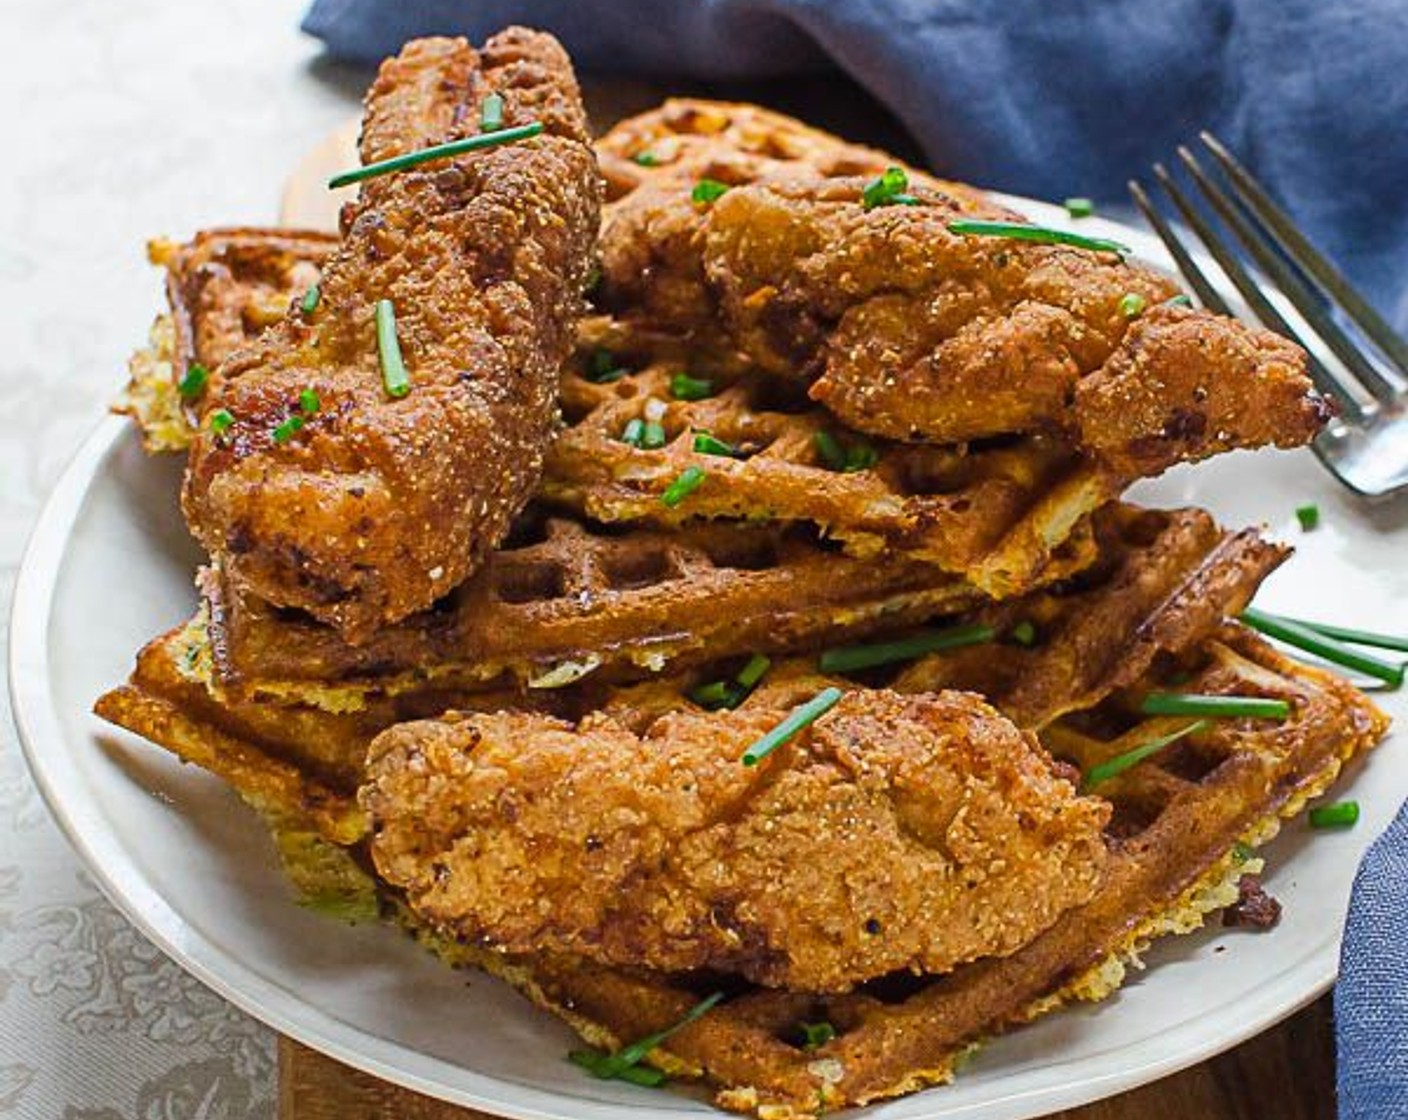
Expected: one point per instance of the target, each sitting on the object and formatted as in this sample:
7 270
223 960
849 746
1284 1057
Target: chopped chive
593 280
1242 852
634 432
1130 758
653 436
686 484
192 384
393 368
717 694
706 444
1023 633
1131 305
815 1035
1341 814
858 456
1358 637
849 659
309 302
801 716
708 190
221 420
1079 207
491 113
1303 636
1225 707
308 401
753 671
1021 231
887 190
599 1065
683 387
603 368
437 151
286 430
646 158
1179 300
833 455
1308 516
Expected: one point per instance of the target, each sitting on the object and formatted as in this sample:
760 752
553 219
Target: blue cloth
1054 98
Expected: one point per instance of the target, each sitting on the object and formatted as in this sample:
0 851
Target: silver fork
1366 446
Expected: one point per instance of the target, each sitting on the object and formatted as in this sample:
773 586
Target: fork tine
1292 287
1293 243
1327 382
1208 296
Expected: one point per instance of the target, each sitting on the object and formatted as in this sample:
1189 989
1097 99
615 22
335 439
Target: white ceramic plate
110 566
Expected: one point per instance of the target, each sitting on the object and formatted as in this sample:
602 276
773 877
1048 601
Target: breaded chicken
377 505
909 330
897 833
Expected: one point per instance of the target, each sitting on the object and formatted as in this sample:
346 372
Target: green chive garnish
221 420
1302 636
706 444
1341 814
888 190
192 384
683 387
815 1035
1242 852
653 436
437 151
708 190
308 401
858 456
393 369
634 432
1179 300
603 368
309 302
802 716
1308 516
491 113
1122 762
1023 633
285 431
624 1065
849 659
646 159
1131 304
1224 707
753 671
1358 637
686 484
1079 207
1021 231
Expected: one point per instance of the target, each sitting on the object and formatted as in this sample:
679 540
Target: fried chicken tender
378 506
908 330
896 833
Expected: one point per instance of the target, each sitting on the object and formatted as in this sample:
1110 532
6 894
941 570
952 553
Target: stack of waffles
799 536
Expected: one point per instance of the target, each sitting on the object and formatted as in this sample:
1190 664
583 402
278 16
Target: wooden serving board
1287 1073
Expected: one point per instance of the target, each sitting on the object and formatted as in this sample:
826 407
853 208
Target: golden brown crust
378 506
896 833
908 330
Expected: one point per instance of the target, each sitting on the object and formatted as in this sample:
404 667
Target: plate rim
36 719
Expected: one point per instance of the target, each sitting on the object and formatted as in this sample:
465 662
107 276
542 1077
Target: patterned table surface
123 120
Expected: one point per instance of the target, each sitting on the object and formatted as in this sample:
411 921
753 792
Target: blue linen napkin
1054 98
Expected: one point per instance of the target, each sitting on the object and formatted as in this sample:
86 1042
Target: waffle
1175 855
223 287
994 514
565 598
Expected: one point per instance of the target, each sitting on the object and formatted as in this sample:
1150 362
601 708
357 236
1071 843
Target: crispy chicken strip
378 506
908 330
898 832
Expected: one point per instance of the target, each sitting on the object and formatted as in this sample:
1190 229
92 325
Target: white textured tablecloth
122 119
